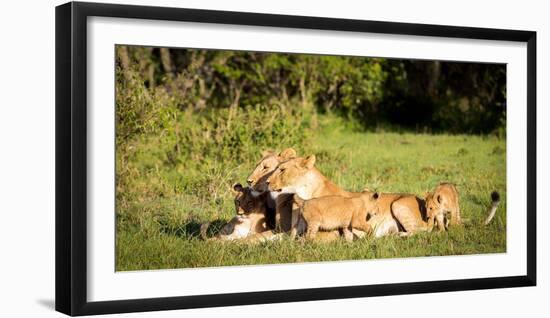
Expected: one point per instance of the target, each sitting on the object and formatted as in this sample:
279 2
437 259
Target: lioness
281 203
337 212
250 208
280 206
300 176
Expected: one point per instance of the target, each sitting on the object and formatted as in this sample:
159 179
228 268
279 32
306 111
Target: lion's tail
204 229
495 201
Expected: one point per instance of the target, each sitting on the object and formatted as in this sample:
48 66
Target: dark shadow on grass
192 229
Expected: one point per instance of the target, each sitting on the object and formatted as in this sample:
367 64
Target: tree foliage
430 96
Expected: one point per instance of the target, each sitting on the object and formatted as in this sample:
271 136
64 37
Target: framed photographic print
208 158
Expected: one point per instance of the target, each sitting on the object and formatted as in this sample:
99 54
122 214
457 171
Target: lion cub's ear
309 161
287 153
438 198
237 188
427 194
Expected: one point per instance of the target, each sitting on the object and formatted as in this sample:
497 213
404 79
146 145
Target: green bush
434 96
207 111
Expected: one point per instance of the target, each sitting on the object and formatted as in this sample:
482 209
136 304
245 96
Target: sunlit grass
161 205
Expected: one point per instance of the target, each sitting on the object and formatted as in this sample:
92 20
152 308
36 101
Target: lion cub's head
291 174
370 201
433 204
247 203
442 204
269 162
435 210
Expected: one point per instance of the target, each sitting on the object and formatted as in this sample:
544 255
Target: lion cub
337 212
442 207
251 212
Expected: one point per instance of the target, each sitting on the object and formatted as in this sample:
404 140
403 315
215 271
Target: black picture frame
71 157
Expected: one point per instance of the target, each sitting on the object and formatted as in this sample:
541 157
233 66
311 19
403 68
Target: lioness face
246 203
266 166
291 174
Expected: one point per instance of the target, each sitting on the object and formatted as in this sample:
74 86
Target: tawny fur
337 212
442 207
398 213
250 218
299 175
281 205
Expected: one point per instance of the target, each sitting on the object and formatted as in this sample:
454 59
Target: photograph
233 158
247 158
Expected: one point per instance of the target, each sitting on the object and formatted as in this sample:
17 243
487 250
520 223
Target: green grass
161 201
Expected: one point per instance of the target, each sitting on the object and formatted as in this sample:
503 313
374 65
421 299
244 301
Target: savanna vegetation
192 122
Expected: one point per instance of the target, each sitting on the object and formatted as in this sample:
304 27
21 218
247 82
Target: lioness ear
309 161
375 195
266 153
288 153
237 187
